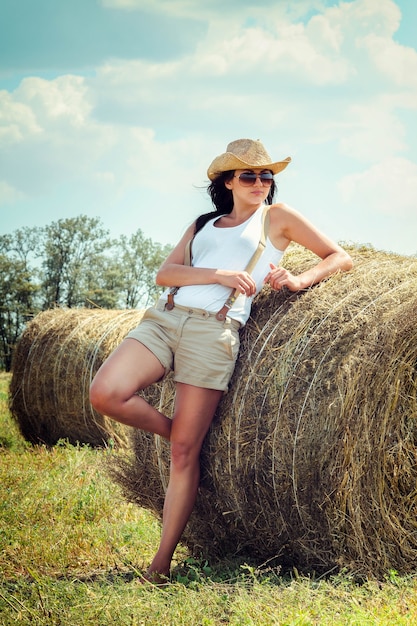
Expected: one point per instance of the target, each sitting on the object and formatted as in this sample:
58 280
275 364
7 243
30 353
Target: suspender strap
187 261
187 253
221 315
170 299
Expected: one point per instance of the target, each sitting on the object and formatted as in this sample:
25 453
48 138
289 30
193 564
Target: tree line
72 263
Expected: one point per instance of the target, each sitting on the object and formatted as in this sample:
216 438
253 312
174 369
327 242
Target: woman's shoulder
285 222
280 208
281 212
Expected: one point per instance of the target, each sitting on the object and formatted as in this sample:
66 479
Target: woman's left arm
287 225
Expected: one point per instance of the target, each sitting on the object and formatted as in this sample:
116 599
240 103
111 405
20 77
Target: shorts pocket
231 343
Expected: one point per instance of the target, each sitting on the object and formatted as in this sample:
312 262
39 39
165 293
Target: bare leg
194 411
130 368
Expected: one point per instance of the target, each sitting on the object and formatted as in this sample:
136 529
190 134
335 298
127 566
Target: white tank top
230 249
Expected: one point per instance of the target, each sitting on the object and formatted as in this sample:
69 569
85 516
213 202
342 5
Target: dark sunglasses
247 179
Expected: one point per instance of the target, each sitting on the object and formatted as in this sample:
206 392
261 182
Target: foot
155 578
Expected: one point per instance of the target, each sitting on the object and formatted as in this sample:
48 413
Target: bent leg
194 411
130 368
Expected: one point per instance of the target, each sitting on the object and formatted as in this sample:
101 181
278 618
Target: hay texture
54 362
312 457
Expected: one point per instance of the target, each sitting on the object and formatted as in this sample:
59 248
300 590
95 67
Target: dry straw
53 365
312 457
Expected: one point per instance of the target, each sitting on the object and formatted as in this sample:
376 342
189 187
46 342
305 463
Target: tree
72 263
104 283
24 244
18 287
140 258
17 292
71 247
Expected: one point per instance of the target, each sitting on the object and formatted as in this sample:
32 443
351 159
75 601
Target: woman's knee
100 395
184 454
95 395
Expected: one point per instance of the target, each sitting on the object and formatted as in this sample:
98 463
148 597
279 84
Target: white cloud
17 120
355 19
48 135
337 80
388 187
271 39
396 62
63 100
272 57
288 51
52 137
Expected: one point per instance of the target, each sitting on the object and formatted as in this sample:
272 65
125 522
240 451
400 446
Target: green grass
71 550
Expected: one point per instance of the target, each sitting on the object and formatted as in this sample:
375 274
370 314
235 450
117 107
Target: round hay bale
54 362
312 457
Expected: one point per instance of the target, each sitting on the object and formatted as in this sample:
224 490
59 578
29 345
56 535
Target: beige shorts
199 349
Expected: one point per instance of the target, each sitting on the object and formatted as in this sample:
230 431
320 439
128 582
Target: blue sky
115 108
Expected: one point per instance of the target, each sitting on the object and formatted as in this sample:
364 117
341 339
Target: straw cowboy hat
242 154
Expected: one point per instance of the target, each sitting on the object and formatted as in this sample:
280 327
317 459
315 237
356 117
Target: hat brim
229 161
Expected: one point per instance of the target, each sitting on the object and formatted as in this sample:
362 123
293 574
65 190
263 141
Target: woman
185 335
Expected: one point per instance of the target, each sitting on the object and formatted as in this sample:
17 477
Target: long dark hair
222 198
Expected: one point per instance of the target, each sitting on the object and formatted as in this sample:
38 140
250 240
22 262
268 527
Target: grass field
71 550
